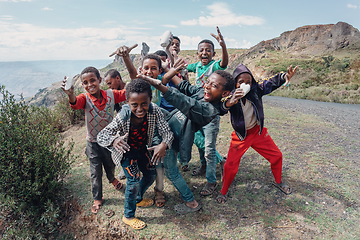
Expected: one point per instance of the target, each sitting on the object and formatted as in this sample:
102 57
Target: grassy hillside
331 77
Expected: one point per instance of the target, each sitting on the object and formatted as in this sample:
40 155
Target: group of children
151 138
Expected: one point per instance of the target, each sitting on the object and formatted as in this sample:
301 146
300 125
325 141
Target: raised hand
237 95
219 37
289 74
123 51
69 91
121 145
179 64
159 153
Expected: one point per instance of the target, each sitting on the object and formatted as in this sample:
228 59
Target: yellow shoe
146 202
135 223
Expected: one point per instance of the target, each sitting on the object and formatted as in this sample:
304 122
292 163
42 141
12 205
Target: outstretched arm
225 57
154 82
124 52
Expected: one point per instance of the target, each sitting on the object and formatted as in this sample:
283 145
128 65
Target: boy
151 66
206 66
113 80
247 119
200 105
209 157
99 111
128 137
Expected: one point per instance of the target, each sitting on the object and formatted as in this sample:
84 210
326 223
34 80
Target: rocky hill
311 39
322 52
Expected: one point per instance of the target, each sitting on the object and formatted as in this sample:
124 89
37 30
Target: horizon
39 30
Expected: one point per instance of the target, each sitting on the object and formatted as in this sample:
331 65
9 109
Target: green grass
254 208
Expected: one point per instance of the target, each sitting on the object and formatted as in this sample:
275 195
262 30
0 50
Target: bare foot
192 204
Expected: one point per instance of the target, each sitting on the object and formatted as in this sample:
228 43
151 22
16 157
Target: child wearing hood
247 118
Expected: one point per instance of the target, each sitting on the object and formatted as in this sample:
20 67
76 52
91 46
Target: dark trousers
98 157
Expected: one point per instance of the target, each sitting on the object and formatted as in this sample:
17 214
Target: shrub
64 115
33 163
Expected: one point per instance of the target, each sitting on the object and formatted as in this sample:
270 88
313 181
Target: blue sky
84 30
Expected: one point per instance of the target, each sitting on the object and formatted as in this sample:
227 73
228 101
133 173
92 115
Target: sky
86 29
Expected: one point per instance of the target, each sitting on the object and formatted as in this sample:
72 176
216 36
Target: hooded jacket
257 91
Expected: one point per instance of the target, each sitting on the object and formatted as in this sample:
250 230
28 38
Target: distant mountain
311 39
322 52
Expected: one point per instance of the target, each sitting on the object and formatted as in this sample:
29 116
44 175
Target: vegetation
33 163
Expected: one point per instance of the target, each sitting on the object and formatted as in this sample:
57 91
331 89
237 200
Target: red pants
263 144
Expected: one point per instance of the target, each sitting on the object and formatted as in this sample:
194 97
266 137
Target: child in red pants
247 118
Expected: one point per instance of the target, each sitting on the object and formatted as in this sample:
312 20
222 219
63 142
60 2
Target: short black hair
177 38
138 86
152 56
230 81
160 53
113 73
207 41
89 70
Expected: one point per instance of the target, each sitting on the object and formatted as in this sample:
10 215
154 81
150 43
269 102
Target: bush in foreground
33 163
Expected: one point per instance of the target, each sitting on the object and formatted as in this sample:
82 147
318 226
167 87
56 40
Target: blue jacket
257 91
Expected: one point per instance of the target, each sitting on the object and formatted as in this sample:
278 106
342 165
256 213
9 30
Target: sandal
159 198
135 223
222 198
283 187
183 209
208 189
109 213
118 185
185 168
95 208
199 171
146 202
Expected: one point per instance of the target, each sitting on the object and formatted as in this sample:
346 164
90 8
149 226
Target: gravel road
344 116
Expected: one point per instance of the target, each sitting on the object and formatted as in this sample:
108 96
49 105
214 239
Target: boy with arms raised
128 137
99 111
247 119
206 137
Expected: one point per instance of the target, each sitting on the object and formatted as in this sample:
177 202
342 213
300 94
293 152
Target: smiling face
205 53
139 104
150 68
91 83
243 78
214 88
175 46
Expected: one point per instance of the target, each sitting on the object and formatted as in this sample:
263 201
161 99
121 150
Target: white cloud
221 15
233 43
169 26
351 6
30 42
188 42
189 22
46 9
6 17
